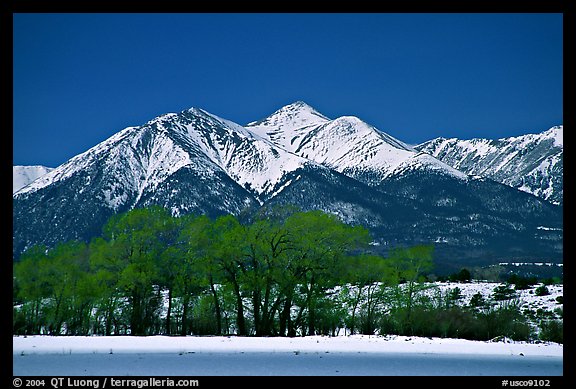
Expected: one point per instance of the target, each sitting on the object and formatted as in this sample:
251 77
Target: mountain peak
556 133
297 114
300 106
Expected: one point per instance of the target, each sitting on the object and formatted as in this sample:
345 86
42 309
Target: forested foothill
283 273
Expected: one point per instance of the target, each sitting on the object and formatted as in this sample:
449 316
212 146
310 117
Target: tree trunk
169 313
257 317
311 309
240 321
109 316
217 308
285 316
353 319
267 310
185 302
136 316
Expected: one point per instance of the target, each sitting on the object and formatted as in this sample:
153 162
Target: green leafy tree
106 268
54 285
277 274
366 274
267 244
199 269
134 242
409 265
320 242
32 288
227 251
72 293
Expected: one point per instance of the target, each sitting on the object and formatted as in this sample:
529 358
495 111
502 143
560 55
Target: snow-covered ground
313 355
527 298
27 345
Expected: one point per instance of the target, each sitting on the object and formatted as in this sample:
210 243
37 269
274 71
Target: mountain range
532 163
195 161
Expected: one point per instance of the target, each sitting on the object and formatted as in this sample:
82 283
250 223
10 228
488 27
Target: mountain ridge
25 175
346 144
532 163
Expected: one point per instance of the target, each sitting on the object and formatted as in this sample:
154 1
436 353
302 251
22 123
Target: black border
390 6
313 381
298 6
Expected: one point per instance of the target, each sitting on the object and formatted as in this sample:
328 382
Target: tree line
281 274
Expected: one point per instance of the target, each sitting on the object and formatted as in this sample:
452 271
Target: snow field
70 345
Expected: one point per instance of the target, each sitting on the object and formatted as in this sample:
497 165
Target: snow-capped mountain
24 175
532 163
197 162
346 144
192 161
138 166
193 139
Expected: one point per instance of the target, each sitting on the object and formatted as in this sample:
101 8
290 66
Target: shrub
462 276
329 318
455 294
552 280
542 290
552 331
457 322
521 283
544 314
503 292
477 300
506 321
388 325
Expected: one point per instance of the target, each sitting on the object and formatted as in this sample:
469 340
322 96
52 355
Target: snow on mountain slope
142 157
424 162
24 175
532 163
131 161
252 161
77 163
161 163
346 144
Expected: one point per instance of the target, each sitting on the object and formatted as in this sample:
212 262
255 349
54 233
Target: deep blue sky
79 78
